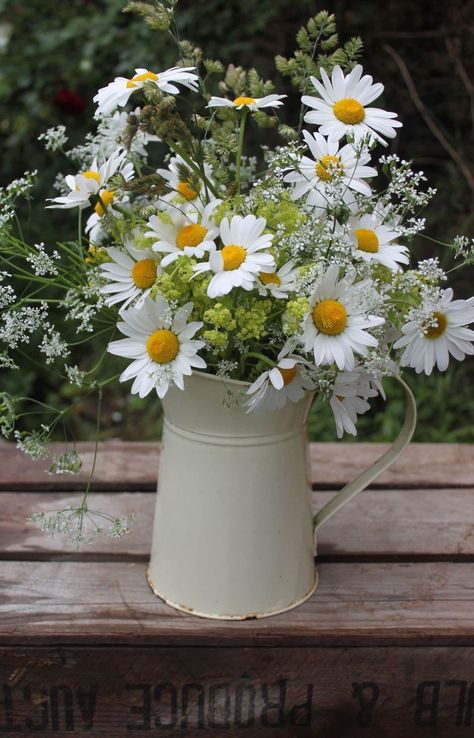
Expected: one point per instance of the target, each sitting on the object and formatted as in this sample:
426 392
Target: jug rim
223 380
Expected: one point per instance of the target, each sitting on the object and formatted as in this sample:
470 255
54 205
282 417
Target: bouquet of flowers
287 267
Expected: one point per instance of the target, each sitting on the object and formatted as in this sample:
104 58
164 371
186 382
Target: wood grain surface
355 604
402 524
232 692
383 649
129 466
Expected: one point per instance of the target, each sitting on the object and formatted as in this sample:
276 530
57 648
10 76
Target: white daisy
117 93
350 394
86 184
331 174
239 262
435 331
278 283
251 103
160 346
183 188
188 234
95 223
131 274
341 110
335 327
286 381
374 242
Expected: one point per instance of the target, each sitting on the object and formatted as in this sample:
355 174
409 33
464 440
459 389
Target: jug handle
369 475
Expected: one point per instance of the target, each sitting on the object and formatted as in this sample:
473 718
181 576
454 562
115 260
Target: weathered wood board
384 648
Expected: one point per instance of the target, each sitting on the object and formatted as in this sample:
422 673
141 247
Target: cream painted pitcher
234 532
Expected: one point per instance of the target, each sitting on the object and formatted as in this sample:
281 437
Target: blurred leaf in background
54 57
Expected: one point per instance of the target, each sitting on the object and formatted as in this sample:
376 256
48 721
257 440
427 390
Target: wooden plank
378 524
130 466
233 692
355 604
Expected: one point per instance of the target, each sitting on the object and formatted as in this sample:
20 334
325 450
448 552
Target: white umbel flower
241 260
160 346
117 93
331 174
342 108
279 283
375 242
286 381
435 331
349 399
251 103
131 273
188 234
86 184
335 327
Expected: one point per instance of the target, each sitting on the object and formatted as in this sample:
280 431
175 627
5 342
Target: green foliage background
54 57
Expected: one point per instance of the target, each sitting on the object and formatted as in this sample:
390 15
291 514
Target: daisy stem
240 147
195 167
256 355
79 227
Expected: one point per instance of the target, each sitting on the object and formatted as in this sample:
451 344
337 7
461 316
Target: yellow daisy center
367 240
142 78
328 167
162 346
190 235
233 256
330 317
91 175
435 331
244 101
188 192
349 111
288 374
107 197
271 278
144 273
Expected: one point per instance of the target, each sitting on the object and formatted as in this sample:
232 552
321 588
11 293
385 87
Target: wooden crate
385 648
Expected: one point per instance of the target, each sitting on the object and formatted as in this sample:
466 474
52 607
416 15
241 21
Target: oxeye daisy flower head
160 344
245 102
184 233
242 258
349 399
435 331
373 241
187 192
131 274
91 182
335 327
341 110
331 174
289 380
117 93
279 283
